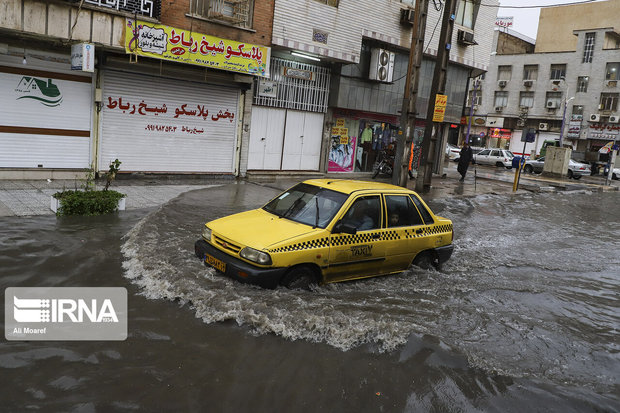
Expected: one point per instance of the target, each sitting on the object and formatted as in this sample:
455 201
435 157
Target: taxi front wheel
299 278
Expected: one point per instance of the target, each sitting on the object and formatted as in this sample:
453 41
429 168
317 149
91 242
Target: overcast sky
526 20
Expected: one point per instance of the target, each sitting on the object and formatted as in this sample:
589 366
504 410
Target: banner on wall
178 45
343 149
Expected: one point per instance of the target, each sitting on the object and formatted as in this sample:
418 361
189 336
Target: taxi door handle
376 236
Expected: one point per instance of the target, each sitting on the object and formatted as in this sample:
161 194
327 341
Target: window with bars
530 72
526 99
557 72
501 98
588 47
582 84
611 71
235 12
609 101
504 72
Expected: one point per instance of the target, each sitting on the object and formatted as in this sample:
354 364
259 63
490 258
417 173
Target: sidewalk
32 197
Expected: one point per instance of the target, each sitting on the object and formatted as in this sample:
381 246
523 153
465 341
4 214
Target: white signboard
504 21
83 57
267 88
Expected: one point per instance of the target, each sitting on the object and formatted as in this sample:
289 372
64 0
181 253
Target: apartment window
501 98
557 72
466 12
609 101
530 72
235 12
504 72
334 3
611 72
526 99
588 47
553 100
582 84
408 2
477 101
577 110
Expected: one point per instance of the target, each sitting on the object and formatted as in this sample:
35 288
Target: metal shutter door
154 124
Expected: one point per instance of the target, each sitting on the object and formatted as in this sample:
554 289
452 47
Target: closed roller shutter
45 116
154 124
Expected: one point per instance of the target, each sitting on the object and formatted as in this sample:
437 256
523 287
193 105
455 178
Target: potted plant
90 201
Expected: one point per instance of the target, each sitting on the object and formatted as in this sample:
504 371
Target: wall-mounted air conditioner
502 83
611 83
381 65
528 83
543 126
407 16
595 117
466 38
499 108
551 104
614 118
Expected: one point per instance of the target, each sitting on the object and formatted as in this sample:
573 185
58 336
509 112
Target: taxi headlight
256 256
206 234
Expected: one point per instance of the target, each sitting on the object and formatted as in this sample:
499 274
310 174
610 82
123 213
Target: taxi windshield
307 204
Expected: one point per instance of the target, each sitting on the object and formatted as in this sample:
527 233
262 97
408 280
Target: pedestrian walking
465 158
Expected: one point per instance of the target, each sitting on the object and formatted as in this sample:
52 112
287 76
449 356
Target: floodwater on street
524 317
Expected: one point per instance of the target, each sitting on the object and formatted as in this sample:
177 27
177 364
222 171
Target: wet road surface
523 318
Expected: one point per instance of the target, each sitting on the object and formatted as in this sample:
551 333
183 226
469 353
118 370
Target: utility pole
408 112
429 145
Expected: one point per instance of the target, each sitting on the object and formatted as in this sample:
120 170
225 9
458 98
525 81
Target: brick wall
175 13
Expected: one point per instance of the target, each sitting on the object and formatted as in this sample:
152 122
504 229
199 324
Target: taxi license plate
215 263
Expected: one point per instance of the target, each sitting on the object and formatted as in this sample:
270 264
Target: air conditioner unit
502 83
499 108
595 117
614 119
407 16
381 65
543 126
466 38
611 83
528 83
551 104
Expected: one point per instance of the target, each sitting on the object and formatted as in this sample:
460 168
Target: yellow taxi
327 230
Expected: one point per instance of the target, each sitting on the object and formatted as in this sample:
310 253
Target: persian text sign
65 313
168 43
441 101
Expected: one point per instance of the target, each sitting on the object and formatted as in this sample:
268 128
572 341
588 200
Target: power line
536 7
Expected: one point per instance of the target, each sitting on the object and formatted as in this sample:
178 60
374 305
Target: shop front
46 116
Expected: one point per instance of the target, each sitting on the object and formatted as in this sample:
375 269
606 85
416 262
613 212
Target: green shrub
87 202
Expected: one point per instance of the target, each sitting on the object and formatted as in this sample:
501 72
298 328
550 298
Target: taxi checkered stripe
360 238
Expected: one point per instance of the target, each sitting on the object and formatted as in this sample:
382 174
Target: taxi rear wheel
425 260
299 278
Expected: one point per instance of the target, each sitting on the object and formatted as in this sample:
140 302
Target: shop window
235 12
588 47
557 72
530 72
504 72
609 101
501 99
526 99
466 12
333 3
611 71
582 84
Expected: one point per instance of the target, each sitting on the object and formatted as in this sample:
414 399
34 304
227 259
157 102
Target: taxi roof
348 186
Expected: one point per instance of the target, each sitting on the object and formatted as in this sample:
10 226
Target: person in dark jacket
465 158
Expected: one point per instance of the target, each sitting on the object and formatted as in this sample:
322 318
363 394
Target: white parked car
453 153
497 157
575 169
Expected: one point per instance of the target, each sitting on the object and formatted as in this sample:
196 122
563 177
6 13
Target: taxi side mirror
341 227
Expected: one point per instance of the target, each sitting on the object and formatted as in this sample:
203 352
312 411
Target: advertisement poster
342 152
169 43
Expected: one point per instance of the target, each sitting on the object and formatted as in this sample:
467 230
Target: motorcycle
384 164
